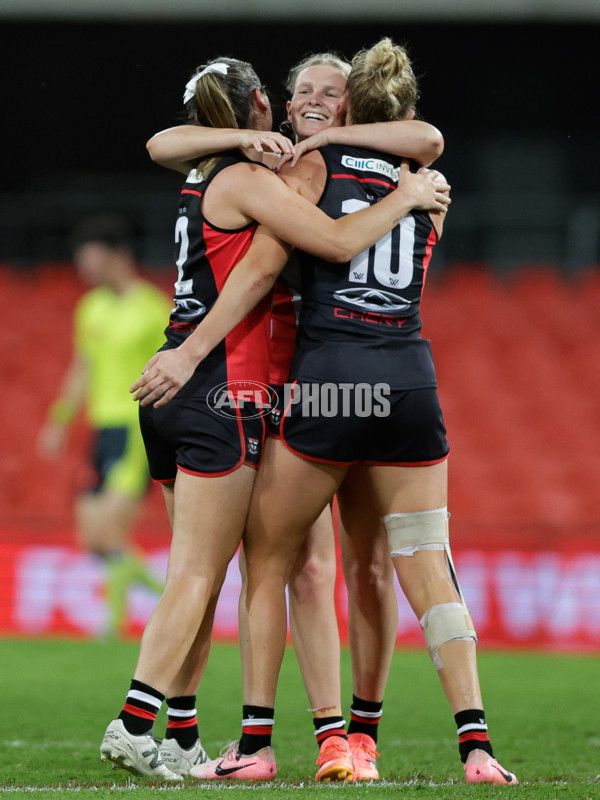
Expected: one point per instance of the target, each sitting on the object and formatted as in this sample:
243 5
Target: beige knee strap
407 532
423 530
445 623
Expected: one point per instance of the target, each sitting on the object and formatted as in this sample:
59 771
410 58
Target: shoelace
334 748
224 751
362 748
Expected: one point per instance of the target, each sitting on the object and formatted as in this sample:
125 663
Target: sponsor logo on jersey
374 300
188 308
371 165
373 317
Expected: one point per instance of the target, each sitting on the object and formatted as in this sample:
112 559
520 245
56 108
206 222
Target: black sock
329 726
182 722
257 728
472 732
364 717
141 707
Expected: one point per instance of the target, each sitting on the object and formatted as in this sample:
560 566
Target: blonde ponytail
382 85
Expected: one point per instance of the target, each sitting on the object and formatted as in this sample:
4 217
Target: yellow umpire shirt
116 335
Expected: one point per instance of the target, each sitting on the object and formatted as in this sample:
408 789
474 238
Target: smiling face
318 102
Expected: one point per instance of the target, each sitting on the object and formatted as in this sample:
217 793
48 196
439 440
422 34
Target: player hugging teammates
355 198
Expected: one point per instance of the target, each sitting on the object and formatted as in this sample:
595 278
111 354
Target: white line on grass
127 787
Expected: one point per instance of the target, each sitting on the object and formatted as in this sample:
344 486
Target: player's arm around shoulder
410 138
293 219
261 195
179 148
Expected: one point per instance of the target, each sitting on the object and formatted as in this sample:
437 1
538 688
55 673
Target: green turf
543 711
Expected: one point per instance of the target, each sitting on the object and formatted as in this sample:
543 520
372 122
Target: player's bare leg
369 574
175 755
372 615
280 515
413 503
208 520
317 646
208 517
181 749
312 598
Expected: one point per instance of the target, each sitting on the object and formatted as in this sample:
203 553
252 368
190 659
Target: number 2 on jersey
182 239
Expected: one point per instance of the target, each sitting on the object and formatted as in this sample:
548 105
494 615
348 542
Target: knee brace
428 530
422 530
443 623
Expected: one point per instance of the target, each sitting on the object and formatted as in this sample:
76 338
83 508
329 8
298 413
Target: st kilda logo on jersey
242 399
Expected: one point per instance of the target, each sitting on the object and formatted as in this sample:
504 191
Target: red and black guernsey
284 326
205 256
285 310
361 321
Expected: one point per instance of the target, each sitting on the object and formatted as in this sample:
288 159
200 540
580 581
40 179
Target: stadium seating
519 380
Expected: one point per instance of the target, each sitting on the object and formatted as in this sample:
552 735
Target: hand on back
427 189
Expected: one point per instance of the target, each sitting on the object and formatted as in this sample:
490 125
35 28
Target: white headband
190 87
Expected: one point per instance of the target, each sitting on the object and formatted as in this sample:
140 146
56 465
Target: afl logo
241 399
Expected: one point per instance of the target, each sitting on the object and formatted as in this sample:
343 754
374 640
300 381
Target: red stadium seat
519 380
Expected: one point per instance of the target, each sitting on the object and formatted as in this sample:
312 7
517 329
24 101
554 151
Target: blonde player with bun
411 489
403 453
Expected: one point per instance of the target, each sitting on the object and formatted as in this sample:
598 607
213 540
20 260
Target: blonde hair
382 85
222 100
317 60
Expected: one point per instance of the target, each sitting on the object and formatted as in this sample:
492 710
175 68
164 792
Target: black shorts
189 435
118 461
347 423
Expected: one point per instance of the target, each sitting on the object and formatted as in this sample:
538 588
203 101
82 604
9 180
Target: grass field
543 711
